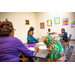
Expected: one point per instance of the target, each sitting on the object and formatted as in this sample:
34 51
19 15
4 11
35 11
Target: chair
67 43
69 53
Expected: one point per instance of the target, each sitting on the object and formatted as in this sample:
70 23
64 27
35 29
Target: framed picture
42 25
56 20
65 21
27 22
72 24
49 23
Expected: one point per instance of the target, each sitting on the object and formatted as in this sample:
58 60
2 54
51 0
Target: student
49 32
30 38
31 28
64 37
10 46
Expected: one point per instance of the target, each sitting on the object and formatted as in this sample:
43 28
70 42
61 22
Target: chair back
69 38
69 53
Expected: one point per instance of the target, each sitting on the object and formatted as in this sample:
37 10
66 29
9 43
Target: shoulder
16 40
65 33
28 36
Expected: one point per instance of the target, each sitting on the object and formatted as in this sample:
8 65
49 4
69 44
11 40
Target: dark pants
61 40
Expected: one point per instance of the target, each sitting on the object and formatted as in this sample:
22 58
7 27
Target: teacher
10 46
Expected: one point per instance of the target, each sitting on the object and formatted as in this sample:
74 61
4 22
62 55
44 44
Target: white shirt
48 33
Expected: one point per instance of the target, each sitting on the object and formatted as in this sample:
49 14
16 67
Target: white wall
18 20
44 16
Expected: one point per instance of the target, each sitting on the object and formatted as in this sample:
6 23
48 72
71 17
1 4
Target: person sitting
49 32
64 37
31 28
10 46
30 38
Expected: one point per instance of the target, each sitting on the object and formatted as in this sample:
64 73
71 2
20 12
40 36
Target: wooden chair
67 43
22 58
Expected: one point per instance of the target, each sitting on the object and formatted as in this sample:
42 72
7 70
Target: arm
23 49
35 41
30 42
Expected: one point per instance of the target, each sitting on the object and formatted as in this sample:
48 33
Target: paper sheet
31 48
43 48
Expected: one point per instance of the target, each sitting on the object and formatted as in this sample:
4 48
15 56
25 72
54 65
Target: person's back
8 49
10 46
64 37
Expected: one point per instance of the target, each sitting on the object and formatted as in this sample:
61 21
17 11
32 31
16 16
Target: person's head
31 33
62 30
49 30
31 29
6 29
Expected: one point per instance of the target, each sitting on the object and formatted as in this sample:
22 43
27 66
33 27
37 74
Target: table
42 53
56 36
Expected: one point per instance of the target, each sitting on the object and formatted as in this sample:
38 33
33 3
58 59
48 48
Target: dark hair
63 29
6 28
49 29
31 29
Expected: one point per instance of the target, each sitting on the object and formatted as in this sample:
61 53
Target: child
30 38
64 37
49 32
31 28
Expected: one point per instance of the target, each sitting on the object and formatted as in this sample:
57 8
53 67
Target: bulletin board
49 23
65 21
72 24
42 25
57 20
27 22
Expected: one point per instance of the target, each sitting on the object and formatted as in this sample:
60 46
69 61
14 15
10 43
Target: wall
44 16
18 20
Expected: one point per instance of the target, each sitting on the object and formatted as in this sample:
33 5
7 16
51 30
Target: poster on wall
65 21
42 25
49 23
72 24
27 22
57 20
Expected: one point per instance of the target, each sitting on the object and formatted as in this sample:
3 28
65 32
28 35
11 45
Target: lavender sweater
10 48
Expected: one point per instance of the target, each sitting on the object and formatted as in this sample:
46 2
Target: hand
36 48
59 34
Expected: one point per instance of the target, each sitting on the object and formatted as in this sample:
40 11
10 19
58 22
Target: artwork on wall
6 19
42 25
49 23
27 22
0 21
72 24
57 20
65 21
